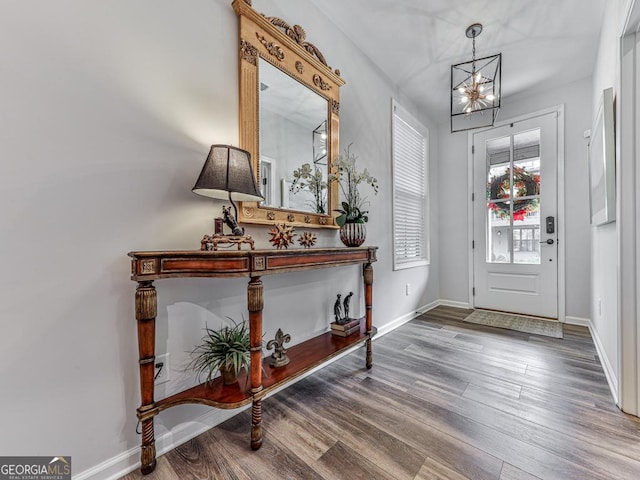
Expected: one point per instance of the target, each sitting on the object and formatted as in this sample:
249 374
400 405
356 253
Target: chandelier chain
473 56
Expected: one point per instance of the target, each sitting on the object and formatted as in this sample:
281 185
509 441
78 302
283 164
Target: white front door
515 252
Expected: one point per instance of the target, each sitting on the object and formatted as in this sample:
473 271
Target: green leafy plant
304 178
224 349
348 177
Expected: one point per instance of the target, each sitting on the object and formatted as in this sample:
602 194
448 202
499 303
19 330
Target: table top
152 265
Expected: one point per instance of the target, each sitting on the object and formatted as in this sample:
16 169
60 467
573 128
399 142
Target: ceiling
544 43
283 96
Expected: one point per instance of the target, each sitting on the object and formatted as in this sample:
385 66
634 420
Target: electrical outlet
407 289
161 372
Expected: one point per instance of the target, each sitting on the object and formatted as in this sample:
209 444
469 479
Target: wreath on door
525 184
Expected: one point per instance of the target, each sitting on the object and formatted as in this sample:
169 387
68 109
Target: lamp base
211 242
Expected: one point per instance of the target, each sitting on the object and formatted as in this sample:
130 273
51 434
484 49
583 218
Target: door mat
536 326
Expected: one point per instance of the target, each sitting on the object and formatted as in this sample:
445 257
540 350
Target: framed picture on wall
602 163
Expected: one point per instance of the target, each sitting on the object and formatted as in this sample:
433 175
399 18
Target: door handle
548 241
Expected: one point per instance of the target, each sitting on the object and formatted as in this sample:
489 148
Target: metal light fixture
320 137
475 89
227 174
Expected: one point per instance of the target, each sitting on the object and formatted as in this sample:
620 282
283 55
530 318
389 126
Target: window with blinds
410 145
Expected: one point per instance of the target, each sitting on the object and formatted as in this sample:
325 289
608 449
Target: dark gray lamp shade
227 175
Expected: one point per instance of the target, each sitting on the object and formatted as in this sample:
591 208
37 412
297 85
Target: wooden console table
146 267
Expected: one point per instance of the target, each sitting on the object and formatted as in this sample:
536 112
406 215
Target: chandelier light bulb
491 97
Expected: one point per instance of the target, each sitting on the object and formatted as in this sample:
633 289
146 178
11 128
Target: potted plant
353 215
226 350
304 178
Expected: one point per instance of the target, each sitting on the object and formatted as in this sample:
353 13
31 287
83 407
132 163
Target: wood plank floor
444 400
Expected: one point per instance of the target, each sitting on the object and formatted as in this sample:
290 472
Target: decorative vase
353 234
228 374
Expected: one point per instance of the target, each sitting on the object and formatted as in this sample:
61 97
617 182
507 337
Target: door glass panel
498 163
526 232
498 184
513 172
526 164
498 156
498 243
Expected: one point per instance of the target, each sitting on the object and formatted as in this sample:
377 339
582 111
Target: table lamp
227 174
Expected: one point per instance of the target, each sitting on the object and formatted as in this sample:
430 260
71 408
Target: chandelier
475 88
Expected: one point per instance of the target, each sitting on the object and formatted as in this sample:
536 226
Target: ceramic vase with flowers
353 216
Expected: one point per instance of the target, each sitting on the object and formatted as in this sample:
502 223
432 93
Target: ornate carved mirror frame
286 48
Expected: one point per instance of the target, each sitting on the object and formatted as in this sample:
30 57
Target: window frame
400 263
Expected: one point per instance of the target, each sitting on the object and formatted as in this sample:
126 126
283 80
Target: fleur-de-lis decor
279 357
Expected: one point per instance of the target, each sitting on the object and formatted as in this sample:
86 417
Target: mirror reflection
293 143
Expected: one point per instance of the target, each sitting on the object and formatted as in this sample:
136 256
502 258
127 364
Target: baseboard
389 327
113 468
579 321
453 303
604 360
427 307
128 461
606 364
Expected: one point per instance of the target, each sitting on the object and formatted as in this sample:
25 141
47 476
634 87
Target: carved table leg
256 303
368 302
146 308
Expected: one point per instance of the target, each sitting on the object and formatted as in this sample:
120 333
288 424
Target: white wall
604 252
452 215
452 220
108 112
627 185
605 239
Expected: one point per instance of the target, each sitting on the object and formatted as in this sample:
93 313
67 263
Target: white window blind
410 200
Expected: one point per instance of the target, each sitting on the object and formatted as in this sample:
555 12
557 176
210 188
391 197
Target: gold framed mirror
289 121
